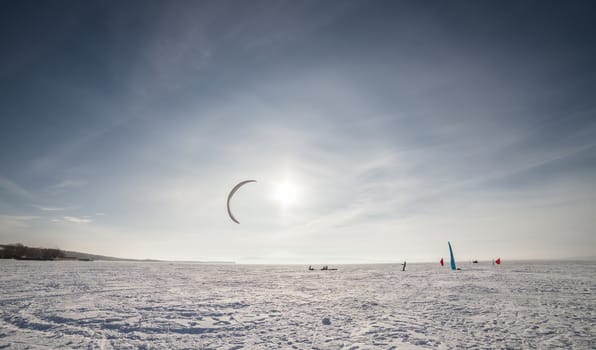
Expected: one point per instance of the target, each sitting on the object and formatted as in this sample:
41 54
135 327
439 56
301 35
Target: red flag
498 261
442 262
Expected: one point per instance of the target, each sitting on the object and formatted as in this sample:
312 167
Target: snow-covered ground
126 305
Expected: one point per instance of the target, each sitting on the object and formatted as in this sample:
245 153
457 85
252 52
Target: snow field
129 305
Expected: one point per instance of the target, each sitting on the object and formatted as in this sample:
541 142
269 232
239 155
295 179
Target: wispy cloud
48 208
14 188
70 183
77 220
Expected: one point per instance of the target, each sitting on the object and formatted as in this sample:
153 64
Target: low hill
20 251
86 256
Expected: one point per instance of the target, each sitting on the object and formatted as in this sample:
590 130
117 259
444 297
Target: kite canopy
232 194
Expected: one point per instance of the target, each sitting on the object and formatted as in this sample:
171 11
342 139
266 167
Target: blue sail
452 258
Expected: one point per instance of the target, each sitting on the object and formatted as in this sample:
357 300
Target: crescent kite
232 194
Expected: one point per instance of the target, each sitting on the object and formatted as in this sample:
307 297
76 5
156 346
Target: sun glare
286 193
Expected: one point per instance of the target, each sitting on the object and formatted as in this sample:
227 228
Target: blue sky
399 125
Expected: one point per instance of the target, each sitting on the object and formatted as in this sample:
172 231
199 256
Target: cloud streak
70 183
76 220
13 188
47 208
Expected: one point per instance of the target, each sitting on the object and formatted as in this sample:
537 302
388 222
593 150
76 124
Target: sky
394 126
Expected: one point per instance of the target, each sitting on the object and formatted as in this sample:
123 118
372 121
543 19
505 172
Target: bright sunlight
286 193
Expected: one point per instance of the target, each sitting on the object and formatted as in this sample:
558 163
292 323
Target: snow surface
128 305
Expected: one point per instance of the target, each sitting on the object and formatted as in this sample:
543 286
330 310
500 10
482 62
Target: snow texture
127 305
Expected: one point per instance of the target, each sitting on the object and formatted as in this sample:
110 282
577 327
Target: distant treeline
19 251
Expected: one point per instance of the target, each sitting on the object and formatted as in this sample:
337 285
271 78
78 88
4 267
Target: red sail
498 261
442 262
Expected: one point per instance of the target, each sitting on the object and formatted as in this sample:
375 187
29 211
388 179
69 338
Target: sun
286 193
